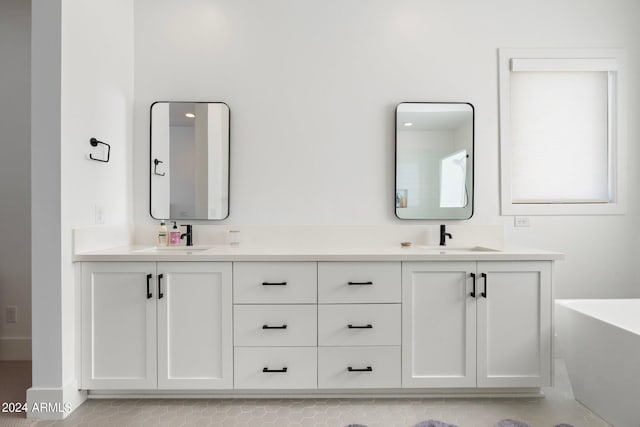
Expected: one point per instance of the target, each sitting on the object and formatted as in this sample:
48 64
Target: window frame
566 60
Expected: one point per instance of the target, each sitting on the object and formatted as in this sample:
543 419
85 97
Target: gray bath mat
514 423
434 423
511 423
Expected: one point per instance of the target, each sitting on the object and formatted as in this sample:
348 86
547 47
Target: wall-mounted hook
94 143
156 162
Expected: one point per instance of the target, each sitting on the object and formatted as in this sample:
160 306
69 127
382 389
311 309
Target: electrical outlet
12 314
521 221
99 214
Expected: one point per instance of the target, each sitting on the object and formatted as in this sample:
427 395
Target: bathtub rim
582 306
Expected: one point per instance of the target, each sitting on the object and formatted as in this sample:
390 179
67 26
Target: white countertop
264 253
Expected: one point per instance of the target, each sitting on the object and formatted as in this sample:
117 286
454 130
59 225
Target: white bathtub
600 342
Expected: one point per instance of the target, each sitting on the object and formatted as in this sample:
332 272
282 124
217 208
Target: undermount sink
454 249
173 249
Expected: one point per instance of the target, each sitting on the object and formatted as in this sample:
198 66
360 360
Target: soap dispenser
162 234
174 235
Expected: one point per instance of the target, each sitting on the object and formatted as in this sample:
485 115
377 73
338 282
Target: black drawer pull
274 370
367 369
274 283
274 327
149 294
360 283
368 326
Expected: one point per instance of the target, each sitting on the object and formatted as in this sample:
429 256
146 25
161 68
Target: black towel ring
94 143
156 162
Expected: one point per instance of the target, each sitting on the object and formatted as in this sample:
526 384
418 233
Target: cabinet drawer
274 282
358 367
358 324
352 282
275 367
274 325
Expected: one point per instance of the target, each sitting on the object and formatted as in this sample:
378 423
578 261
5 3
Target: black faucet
444 235
188 234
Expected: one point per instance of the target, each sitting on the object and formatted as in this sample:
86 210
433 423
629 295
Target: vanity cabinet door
514 324
438 324
195 348
118 325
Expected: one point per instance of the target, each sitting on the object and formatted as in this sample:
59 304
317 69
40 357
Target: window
561 145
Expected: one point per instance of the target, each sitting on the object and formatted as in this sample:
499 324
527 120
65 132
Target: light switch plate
521 221
12 314
99 214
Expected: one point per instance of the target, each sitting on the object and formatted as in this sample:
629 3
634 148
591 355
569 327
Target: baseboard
468 393
54 403
15 348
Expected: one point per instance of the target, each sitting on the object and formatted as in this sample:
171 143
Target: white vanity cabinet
494 334
148 325
317 322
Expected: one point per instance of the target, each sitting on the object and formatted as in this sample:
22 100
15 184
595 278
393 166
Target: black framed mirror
434 160
189 160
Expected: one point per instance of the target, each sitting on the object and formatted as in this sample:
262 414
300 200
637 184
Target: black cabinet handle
473 278
274 283
484 276
149 294
360 283
274 370
368 326
274 327
367 369
160 294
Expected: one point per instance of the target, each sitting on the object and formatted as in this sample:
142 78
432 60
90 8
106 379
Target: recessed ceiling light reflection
190 115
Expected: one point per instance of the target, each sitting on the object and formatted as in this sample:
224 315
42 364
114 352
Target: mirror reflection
189 160
434 160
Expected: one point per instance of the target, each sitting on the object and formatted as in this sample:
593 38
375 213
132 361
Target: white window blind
559 131
559 134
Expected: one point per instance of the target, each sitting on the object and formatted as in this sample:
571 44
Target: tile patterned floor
557 407
15 379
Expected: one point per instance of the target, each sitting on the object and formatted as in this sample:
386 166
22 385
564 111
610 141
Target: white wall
45 193
15 178
97 95
82 88
312 87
